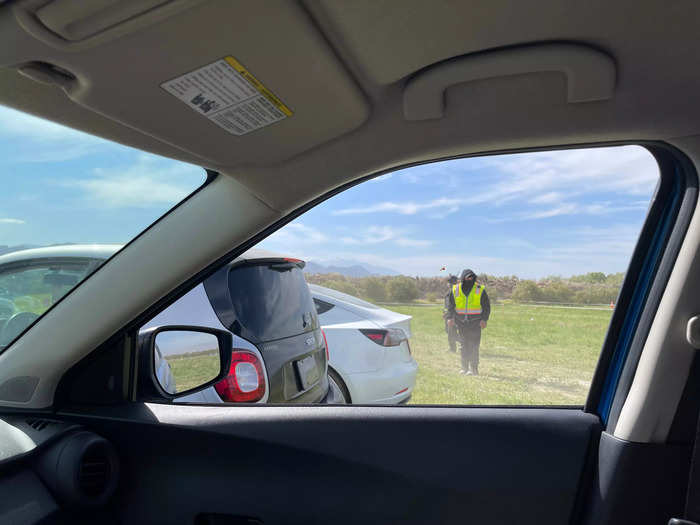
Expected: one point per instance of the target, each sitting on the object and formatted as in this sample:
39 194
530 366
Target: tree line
589 288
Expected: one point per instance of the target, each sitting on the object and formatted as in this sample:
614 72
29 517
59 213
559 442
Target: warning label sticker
229 95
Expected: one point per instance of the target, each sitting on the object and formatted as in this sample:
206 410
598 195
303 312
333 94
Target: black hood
466 274
468 279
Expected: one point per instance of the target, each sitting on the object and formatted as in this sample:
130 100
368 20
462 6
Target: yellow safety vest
470 305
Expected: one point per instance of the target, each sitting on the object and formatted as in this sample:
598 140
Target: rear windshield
272 301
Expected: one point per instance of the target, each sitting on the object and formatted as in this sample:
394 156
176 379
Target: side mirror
178 360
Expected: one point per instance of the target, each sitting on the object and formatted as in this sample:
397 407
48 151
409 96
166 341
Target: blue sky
532 215
60 185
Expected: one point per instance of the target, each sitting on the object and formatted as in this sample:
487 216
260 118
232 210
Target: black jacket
485 307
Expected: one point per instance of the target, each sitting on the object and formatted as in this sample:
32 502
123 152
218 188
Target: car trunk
384 318
388 319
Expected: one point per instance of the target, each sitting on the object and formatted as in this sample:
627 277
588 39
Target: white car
370 356
34 279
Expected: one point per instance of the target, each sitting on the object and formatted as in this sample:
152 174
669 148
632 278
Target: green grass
190 372
529 356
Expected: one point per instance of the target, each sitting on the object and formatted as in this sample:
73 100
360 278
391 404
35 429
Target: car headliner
342 68
363 58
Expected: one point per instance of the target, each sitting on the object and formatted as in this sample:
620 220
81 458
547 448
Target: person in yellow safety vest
469 309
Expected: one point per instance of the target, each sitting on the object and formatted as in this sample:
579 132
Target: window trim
650 268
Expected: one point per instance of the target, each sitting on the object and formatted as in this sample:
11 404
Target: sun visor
231 82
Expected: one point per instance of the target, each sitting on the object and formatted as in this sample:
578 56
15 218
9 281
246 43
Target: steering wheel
15 325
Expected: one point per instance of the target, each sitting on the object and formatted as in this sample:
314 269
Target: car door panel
348 464
637 482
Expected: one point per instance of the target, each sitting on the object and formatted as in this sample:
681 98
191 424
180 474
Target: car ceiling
342 68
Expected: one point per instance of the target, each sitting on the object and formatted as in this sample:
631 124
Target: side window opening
498 275
322 306
476 281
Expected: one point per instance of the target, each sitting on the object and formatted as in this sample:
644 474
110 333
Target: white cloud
405 208
564 180
563 252
564 209
571 208
149 182
383 234
593 249
296 237
627 170
8 220
298 233
547 198
441 214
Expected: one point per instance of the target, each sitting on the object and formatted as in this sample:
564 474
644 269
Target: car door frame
672 163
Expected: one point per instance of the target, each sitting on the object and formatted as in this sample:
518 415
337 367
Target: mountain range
348 268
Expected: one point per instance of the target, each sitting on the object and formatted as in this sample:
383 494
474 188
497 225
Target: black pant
469 340
452 336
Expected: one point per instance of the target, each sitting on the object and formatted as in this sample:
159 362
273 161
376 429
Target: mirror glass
184 359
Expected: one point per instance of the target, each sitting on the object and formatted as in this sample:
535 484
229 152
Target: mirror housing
149 387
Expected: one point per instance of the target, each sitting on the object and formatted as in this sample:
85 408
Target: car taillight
387 337
325 343
245 382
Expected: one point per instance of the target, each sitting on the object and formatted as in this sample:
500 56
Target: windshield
69 201
271 301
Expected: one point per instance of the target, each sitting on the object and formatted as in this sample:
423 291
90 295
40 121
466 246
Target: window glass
270 301
69 201
27 290
542 241
322 306
478 281
329 292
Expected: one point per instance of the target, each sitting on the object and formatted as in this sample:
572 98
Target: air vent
95 471
40 424
81 469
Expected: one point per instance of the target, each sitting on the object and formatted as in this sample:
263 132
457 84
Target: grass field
529 355
193 371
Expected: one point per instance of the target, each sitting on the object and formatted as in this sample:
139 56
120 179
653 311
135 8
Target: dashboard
53 471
